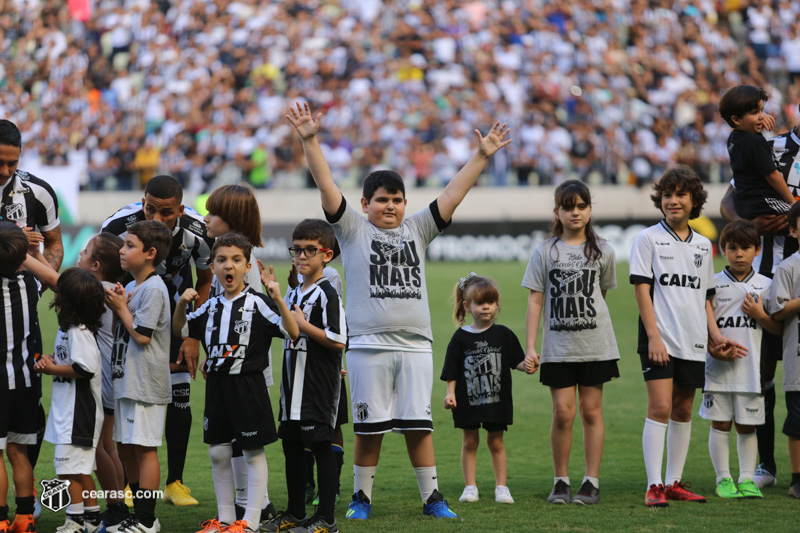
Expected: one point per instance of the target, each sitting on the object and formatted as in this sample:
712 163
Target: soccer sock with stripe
177 427
338 455
239 465
326 475
653 448
363 478
91 515
747 448
426 480
678 437
766 431
256 486
74 512
719 452
308 459
222 474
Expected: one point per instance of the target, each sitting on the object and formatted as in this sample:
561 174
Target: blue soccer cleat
437 507
359 508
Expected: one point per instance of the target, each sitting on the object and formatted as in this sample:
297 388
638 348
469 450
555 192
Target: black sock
78 518
293 454
177 428
24 505
338 455
34 449
766 432
91 517
134 491
326 477
308 458
4 513
145 510
795 478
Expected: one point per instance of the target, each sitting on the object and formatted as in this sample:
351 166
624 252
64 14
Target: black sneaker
316 524
587 495
268 513
561 493
115 514
283 521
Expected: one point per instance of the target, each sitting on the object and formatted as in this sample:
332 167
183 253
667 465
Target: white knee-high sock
678 437
747 447
239 465
222 473
256 486
363 477
653 448
426 481
720 453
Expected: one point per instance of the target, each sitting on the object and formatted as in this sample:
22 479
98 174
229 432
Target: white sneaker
763 477
502 494
470 494
71 526
37 507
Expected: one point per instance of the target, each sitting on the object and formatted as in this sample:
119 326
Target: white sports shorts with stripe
390 390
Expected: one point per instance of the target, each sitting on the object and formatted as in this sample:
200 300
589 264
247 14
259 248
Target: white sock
363 477
239 465
720 453
653 448
426 481
222 473
75 509
593 480
747 447
266 492
557 479
678 437
256 485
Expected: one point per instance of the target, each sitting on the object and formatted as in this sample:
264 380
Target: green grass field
396 499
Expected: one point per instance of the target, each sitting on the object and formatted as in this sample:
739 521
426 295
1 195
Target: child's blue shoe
437 507
359 508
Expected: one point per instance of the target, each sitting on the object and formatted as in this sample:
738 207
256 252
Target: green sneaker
726 488
748 489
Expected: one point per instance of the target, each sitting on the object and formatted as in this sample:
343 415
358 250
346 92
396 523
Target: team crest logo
708 401
362 411
698 260
55 494
16 212
571 282
754 295
61 352
241 327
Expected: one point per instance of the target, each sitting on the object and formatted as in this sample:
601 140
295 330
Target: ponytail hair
567 195
473 288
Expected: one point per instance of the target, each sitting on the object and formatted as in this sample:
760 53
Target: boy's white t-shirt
681 276
742 374
785 287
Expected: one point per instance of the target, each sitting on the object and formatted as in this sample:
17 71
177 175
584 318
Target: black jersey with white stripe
29 201
311 380
20 335
236 334
190 242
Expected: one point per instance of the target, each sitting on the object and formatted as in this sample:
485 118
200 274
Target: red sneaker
680 492
655 497
23 523
4 525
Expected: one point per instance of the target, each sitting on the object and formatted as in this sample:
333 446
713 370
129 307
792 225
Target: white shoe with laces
763 477
502 494
470 494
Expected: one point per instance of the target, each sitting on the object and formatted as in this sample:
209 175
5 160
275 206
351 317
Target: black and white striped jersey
20 335
236 334
190 242
29 201
310 384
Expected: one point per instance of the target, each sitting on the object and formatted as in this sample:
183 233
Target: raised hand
494 140
189 295
306 125
266 275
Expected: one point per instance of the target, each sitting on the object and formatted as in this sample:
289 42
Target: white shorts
746 408
70 459
139 423
390 391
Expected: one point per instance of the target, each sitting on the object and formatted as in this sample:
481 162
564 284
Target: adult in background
163 197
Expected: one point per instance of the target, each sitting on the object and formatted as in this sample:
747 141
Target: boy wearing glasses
310 384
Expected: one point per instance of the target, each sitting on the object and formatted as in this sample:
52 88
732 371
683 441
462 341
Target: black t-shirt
480 364
751 162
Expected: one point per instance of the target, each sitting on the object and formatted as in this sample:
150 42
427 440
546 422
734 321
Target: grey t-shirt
785 287
576 322
141 373
384 270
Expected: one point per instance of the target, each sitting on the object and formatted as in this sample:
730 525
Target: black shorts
488 426
587 374
344 407
305 432
19 415
685 374
238 407
791 427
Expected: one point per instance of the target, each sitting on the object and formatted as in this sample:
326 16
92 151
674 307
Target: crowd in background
609 91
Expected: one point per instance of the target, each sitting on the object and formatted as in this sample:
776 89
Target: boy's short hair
153 234
233 239
388 179
793 215
13 248
236 204
164 187
9 134
314 229
79 299
680 178
742 233
740 100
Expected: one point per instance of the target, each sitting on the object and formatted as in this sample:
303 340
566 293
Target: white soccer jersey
680 275
739 375
785 287
29 201
76 409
